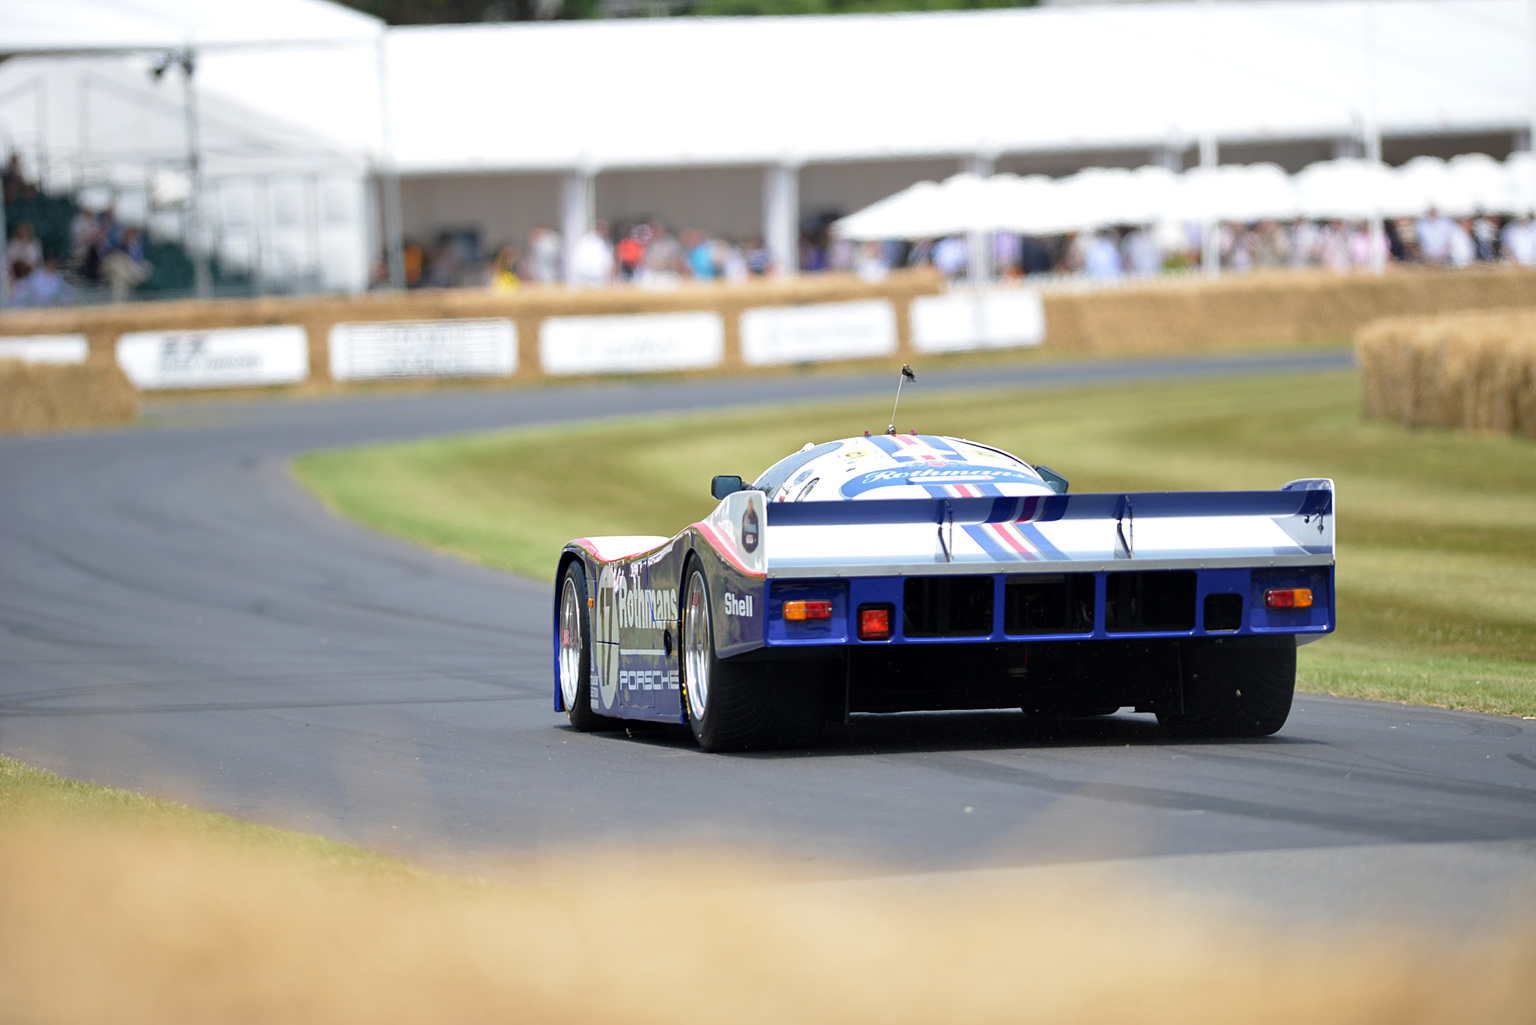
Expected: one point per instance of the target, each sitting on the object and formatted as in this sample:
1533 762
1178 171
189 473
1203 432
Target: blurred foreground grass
1437 529
118 908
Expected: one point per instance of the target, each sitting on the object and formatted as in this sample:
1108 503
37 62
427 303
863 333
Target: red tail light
797 611
874 622
1288 598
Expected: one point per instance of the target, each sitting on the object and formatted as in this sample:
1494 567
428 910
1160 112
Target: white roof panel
719 91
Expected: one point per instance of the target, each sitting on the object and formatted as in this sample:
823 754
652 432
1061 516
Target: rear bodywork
1046 601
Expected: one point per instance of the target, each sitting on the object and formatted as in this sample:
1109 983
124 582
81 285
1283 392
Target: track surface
178 617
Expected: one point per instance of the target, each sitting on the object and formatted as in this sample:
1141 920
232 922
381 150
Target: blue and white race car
917 572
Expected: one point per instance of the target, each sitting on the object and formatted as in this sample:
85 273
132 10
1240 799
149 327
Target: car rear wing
1293 526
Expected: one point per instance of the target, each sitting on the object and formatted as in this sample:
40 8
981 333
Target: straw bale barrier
526 307
1282 306
1473 370
48 396
1165 315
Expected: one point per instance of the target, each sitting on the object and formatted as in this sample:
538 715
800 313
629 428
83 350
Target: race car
905 572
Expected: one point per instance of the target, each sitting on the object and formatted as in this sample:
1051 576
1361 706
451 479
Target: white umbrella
1351 189
1481 183
1520 173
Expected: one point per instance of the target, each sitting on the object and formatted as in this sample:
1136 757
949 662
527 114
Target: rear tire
573 643
740 706
1233 690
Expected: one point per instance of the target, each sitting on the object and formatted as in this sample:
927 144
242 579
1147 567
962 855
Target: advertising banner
961 321
638 343
807 334
222 358
424 348
45 348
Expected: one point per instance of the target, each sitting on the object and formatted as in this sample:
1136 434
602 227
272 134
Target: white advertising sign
961 321
639 343
424 348
45 348
806 334
230 357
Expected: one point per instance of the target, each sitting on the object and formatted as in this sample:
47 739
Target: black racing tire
739 706
1233 689
573 643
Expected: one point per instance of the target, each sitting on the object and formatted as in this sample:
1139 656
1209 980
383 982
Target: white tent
89 117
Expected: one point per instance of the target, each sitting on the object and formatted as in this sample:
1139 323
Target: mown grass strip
1437 529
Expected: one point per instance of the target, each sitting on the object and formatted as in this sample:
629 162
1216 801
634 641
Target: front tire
1233 690
738 706
575 654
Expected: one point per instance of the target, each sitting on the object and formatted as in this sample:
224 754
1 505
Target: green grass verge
28 793
1437 529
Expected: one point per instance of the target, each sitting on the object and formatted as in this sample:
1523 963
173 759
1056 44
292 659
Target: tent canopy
96 26
693 92
1348 189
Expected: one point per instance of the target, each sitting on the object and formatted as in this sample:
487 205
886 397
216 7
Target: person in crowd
1461 250
1139 253
124 268
84 233
14 183
1101 257
1434 232
415 259
24 247
503 277
1517 244
44 286
1007 253
733 262
950 256
759 259
542 263
869 262
665 262
630 252
1485 237
592 258
700 253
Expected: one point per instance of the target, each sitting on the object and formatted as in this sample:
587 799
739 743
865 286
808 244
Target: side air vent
947 607
1048 603
1153 601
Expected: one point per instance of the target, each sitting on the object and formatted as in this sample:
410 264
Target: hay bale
1470 370
44 397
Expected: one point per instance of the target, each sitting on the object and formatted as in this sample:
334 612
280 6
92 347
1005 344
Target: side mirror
1053 480
725 484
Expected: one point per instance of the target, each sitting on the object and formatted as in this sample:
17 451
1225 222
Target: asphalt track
177 616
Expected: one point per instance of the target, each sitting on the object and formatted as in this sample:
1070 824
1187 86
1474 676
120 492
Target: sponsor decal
605 632
931 475
820 331
637 343
223 358
424 348
749 530
45 348
739 606
648 679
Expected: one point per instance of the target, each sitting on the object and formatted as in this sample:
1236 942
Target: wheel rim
570 642
696 646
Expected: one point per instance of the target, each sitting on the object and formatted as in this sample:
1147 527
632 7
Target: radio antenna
906 375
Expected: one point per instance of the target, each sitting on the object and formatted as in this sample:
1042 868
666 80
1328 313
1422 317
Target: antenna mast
906 375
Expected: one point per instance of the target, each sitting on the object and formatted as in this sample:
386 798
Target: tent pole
1210 240
781 217
577 197
978 244
389 178
1378 238
202 278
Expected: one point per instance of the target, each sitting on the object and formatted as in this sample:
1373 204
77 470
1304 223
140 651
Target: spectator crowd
647 253
102 252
